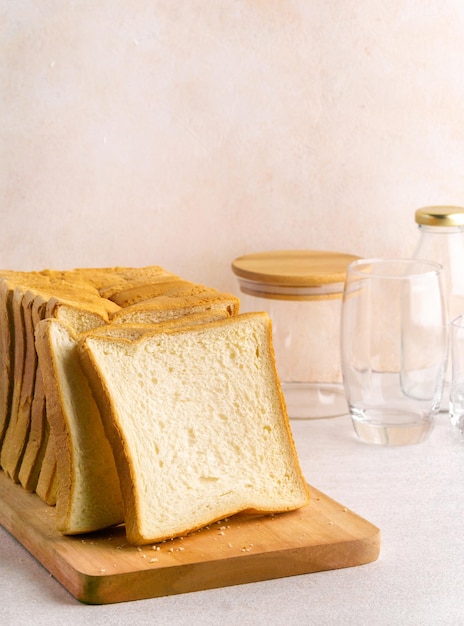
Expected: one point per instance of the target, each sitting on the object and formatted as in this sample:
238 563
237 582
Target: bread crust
6 356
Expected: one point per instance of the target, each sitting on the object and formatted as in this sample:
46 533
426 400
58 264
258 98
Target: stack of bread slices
130 395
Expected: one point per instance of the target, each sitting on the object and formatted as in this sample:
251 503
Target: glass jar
302 291
441 239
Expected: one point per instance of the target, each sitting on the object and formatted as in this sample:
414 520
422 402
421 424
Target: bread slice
197 423
169 306
88 495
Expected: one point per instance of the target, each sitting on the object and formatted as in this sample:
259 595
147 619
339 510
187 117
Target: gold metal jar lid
293 274
440 216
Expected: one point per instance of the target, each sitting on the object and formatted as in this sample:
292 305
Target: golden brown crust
9 454
6 356
46 484
113 280
140 293
18 428
38 437
171 306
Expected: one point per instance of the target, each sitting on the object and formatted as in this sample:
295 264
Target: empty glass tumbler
394 348
456 403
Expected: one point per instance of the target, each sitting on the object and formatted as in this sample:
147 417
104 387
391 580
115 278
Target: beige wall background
185 133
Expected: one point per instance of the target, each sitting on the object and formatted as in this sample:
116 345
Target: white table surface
414 494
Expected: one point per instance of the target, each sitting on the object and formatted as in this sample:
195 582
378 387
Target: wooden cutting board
101 568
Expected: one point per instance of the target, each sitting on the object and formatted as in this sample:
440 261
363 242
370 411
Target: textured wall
187 132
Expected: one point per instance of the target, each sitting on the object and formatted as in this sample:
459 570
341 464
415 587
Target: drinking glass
393 348
456 404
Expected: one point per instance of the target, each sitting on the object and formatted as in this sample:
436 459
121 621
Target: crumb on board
247 548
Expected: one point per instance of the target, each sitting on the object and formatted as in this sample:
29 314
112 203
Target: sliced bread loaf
197 423
88 495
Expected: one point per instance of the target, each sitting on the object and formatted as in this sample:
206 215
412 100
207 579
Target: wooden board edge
232 572
109 588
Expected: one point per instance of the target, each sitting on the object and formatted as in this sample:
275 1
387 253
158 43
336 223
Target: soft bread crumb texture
200 430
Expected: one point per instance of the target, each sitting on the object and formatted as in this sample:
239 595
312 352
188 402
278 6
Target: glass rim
407 264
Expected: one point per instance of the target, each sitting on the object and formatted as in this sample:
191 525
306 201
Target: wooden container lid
294 273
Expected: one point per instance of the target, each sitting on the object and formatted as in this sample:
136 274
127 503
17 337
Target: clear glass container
441 239
302 291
